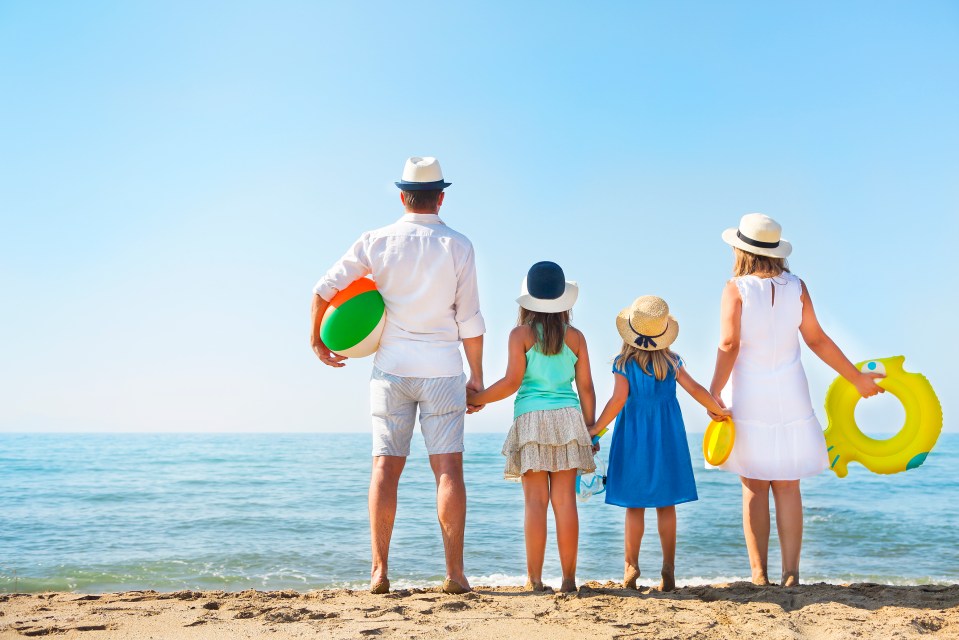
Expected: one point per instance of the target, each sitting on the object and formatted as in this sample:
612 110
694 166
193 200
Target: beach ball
354 321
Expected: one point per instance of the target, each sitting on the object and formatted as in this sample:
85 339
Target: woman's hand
724 414
866 384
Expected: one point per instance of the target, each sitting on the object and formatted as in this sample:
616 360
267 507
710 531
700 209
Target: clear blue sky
174 176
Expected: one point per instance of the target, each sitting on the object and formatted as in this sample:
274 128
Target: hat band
756 243
642 340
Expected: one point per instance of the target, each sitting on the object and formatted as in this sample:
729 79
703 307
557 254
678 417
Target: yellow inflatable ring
908 449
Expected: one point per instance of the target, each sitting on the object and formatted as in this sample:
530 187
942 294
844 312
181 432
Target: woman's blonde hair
747 264
550 338
662 361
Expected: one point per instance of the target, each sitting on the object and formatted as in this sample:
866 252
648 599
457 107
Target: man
427 275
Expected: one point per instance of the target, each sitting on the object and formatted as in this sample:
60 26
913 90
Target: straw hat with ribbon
758 234
647 325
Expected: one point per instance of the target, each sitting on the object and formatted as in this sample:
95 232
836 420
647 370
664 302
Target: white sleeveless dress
777 434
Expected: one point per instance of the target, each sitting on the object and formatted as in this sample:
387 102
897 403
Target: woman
764 310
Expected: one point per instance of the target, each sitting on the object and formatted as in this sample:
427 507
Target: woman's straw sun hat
647 325
758 234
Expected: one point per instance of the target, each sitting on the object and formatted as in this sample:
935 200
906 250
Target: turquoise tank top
547 383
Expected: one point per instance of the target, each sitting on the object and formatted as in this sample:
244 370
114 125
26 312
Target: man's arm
325 355
354 265
469 320
474 359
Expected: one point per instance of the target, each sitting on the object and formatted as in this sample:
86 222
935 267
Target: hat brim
557 305
731 238
629 336
422 186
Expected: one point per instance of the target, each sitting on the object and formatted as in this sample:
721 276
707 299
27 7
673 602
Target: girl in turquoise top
548 444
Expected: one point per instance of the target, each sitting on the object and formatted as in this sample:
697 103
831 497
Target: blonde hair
549 340
747 264
662 361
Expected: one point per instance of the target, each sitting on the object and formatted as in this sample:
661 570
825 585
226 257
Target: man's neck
432 213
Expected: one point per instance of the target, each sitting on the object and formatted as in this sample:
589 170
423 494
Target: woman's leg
562 493
789 524
756 527
666 520
536 493
635 527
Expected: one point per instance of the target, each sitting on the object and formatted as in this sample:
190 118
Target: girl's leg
635 526
666 519
756 527
562 493
536 493
789 523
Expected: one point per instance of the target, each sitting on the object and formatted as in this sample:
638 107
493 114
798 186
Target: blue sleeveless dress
649 462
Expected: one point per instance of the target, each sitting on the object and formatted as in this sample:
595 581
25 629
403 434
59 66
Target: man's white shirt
426 273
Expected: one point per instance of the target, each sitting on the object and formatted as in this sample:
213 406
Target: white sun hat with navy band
546 289
758 234
647 325
422 174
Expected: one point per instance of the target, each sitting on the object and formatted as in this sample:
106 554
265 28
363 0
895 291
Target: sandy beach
737 610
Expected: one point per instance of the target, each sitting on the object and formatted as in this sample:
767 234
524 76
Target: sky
175 176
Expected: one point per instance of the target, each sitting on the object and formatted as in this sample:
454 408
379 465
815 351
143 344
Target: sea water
97 513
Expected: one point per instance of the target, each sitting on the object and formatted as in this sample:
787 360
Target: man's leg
382 500
442 403
451 510
394 414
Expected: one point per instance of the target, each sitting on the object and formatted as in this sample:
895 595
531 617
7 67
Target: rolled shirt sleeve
354 265
469 320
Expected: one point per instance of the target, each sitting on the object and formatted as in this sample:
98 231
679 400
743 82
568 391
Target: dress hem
653 506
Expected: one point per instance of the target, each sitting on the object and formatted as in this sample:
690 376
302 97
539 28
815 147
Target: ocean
99 513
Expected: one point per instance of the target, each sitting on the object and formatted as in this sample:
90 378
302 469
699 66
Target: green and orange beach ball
354 321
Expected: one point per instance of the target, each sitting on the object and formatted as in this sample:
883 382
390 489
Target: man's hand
326 356
474 386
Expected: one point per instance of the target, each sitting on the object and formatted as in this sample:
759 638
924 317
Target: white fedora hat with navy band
546 289
422 174
759 234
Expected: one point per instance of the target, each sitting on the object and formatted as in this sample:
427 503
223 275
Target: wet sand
737 610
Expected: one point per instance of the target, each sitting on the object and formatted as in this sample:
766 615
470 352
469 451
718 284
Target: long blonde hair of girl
550 341
661 361
747 264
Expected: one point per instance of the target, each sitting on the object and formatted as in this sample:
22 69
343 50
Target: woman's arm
699 393
515 368
614 406
827 350
584 377
730 321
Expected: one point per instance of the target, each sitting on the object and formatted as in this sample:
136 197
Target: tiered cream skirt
551 440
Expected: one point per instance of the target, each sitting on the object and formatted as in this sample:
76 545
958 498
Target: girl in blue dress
649 463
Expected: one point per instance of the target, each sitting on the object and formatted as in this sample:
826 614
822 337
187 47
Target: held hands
866 384
723 412
473 388
326 356
593 432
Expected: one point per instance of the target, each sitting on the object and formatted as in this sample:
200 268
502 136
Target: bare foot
760 579
790 579
455 587
669 579
630 576
380 587
569 586
537 587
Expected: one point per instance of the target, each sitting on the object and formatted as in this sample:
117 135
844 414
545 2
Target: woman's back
772 313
